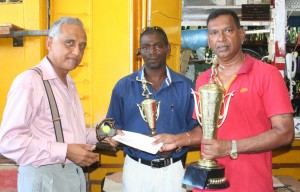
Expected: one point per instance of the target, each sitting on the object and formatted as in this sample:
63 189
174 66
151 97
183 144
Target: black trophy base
205 178
104 146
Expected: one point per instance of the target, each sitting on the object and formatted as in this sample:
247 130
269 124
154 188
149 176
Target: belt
157 163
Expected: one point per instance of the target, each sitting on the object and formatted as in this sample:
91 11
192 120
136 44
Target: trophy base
204 177
103 146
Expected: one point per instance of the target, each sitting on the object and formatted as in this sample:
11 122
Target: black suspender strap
53 106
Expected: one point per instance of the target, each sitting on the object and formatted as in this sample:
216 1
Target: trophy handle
157 109
141 112
198 114
226 106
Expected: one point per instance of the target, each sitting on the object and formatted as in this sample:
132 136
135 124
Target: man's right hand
81 154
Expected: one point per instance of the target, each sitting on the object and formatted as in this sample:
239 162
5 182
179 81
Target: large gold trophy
149 108
208 174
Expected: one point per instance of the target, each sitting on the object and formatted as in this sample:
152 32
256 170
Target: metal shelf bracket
17 33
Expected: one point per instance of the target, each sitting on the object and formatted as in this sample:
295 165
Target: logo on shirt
243 90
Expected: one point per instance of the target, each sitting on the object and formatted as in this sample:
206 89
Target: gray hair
55 28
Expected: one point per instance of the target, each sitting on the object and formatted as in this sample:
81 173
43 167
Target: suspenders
53 106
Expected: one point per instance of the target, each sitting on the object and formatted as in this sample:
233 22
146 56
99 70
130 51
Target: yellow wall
286 160
113 35
17 59
109 53
112 30
167 14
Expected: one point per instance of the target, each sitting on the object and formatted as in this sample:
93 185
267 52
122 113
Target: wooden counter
5 161
8 175
286 160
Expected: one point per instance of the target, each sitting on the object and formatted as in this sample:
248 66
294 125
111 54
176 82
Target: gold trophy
149 108
208 174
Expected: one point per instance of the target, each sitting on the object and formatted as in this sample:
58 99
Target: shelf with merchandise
196 15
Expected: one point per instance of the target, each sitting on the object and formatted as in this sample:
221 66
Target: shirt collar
172 76
245 68
168 79
49 72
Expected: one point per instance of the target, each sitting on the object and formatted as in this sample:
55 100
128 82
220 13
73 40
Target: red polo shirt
259 93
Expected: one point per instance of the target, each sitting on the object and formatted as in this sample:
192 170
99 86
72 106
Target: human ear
242 35
49 42
138 52
169 48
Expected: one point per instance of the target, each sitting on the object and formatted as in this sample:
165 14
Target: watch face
234 155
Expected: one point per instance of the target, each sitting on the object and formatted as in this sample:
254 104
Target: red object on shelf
273 3
279 60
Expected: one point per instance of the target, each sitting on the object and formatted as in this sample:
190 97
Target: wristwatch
233 152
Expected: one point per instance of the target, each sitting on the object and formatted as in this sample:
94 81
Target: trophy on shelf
149 108
208 174
106 128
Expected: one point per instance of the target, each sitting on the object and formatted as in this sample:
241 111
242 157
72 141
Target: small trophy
208 174
149 108
106 128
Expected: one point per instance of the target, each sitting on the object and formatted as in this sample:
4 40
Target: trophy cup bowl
149 110
207 174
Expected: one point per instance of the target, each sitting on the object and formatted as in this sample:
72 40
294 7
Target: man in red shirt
260 114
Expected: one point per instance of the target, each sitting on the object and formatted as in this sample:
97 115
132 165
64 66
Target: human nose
221 36
76 50
152 49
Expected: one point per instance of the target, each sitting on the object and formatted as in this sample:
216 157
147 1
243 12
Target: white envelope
138 141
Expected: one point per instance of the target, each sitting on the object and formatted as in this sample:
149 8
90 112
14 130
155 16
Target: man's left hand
168 140
212 149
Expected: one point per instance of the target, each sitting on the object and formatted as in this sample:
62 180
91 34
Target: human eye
159 46
228 30
82 46
69 43
144 48
212 33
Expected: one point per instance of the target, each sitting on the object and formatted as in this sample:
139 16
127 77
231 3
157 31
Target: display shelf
6 161
197 15
293 12
17 33
255 44
197 22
